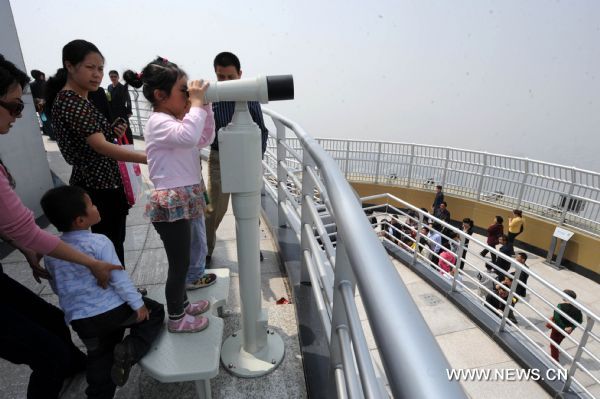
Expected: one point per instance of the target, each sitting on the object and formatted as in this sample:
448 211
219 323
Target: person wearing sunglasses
13 109
33 331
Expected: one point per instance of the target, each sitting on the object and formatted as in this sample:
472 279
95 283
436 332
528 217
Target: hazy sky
513 77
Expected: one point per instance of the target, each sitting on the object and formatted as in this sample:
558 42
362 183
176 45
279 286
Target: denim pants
101 333
198 250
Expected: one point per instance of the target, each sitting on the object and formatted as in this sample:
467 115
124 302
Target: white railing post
445 171
511 294
461 249
482 176
308 191
584 338
568 199
281 173
378 165
418 240
523 184
138 118
339 318
410 164
347 159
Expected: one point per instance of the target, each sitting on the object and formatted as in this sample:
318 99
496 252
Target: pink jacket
17 222
173 146
446 259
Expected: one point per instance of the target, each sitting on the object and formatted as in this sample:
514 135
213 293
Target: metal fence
565 195
312 196
400 225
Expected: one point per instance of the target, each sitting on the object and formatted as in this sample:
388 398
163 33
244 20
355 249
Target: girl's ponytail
133 79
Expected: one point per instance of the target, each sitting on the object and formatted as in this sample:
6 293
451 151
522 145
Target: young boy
99 316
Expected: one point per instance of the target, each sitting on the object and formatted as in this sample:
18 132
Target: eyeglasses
14 108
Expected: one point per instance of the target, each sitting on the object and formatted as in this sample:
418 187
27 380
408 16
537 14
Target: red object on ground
282 301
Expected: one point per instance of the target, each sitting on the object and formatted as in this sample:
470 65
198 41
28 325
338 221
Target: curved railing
565 195
578 372
309 189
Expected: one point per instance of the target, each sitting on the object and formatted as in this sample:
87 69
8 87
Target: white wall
22 150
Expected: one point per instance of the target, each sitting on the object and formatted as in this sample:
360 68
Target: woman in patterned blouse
85 137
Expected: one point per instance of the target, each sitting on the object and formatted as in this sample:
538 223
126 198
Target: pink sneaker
187 324
196 308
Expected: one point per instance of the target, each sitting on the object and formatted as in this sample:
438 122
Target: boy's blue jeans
198 250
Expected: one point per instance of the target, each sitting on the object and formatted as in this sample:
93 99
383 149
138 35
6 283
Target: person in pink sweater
33 331
177 201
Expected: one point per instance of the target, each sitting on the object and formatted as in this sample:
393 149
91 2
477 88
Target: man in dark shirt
98 98
439 198
227 67
507 249
442 212
119 102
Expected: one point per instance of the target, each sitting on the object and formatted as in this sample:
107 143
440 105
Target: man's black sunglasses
14 108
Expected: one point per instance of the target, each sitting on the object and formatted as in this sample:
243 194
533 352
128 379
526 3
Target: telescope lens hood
280 87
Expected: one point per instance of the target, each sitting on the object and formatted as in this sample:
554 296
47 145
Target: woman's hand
120 130
101 270
197 90
142 314
33 259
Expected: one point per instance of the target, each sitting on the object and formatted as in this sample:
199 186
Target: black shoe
122 362
261 256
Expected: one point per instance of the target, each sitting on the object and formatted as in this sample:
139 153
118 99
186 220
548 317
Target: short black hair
36 74
523 255
444 203
113 72
226 59
571 293
10 75
438 187
500 219
62 205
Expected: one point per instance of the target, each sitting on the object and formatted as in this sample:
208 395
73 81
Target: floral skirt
171 204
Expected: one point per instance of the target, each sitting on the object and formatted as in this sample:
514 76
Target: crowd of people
86 264
439 244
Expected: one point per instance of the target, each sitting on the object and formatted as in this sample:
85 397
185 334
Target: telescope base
251 365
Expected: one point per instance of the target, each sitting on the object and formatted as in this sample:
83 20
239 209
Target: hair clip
163 60
140 75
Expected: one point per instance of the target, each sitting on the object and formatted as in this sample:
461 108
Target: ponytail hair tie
140 75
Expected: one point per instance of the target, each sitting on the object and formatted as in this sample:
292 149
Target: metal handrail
403 335
566 195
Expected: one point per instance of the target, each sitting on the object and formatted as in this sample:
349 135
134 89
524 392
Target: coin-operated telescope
256 349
